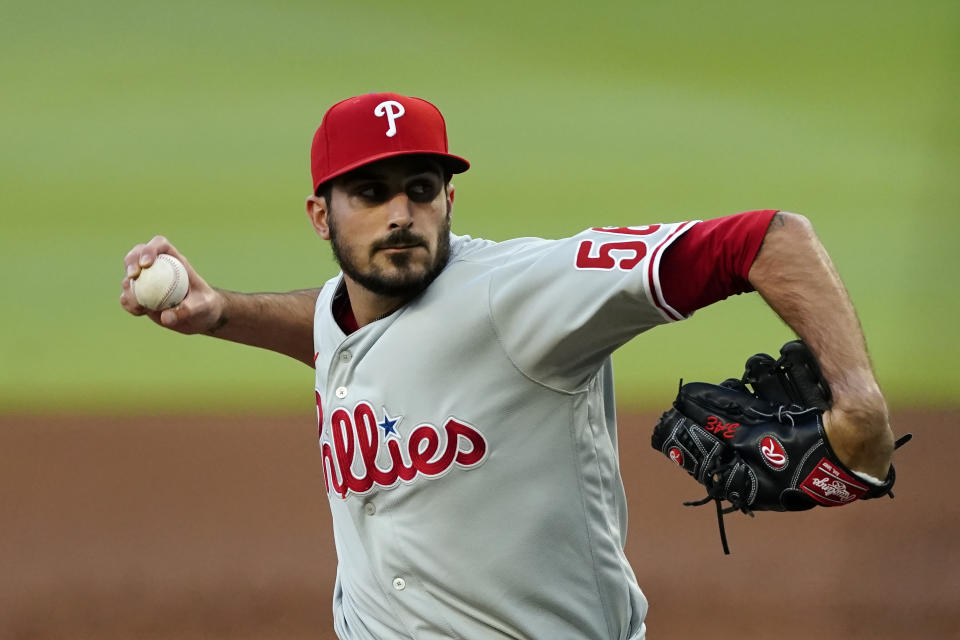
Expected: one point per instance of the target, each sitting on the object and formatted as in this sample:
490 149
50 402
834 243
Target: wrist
219 314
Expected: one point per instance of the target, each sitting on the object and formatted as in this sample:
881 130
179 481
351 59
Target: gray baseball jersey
469 446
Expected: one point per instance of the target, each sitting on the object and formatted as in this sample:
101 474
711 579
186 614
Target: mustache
399 238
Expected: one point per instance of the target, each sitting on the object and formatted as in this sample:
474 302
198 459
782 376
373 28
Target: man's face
389 225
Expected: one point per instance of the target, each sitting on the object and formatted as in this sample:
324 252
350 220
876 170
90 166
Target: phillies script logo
358 439
773 453
623 253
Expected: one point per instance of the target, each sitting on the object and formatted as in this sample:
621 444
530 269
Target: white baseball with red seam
161 285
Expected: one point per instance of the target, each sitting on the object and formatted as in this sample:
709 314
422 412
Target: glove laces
715 493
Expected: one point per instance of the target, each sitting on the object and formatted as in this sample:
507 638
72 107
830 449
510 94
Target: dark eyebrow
426 166
426 171
364 173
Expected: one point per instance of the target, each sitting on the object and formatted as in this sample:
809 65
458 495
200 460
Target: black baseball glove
758 442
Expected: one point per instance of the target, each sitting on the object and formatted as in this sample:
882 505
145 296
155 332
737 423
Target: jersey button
341 392
399 584
369 508
346 356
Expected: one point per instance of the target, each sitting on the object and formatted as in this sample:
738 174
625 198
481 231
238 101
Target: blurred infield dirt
189 528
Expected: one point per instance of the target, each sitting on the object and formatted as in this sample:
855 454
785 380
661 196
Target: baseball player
464 392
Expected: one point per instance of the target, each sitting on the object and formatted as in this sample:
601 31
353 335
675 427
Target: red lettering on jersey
598 255
478 445
603 259
645 230
350 464
319 414
344 441
719 427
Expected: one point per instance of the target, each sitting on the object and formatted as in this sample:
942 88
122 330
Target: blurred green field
120 120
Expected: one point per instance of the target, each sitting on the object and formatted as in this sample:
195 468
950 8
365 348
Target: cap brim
450 162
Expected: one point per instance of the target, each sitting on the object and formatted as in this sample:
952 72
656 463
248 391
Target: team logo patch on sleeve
831 486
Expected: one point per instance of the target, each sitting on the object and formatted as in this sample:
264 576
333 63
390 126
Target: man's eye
372 192
421 191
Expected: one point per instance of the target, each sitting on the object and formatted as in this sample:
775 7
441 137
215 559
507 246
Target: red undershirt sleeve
712 259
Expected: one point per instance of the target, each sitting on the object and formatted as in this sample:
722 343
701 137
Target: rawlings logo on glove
762 448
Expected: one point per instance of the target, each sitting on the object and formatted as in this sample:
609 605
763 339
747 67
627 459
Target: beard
410 277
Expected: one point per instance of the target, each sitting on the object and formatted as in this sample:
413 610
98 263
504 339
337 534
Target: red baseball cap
371 127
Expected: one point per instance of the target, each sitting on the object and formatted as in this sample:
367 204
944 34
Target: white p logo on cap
393 110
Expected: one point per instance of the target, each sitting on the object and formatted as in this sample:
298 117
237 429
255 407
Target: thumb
169 317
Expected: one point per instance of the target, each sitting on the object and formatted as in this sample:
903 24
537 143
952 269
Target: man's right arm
281 322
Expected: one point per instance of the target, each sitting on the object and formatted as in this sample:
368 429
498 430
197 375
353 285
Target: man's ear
451 194
317 211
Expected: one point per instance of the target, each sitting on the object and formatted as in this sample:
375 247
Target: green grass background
121 120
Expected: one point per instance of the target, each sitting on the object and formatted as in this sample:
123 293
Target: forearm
281 322
797 279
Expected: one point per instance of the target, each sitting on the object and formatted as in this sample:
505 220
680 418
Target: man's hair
325 191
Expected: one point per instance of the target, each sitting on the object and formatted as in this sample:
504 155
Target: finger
143 255
131 261
762 373
178 316
128 300
133 309
160 244
736 384
156 246
169 317
192 315
192 276
801 368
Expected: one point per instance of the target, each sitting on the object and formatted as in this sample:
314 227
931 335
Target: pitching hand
199 312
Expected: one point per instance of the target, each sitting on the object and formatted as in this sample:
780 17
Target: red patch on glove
831 486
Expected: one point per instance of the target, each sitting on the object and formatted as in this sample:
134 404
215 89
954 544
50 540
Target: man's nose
400 211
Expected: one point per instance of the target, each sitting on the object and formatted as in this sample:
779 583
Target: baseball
161 285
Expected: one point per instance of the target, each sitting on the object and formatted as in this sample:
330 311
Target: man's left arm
796 277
